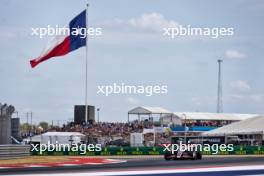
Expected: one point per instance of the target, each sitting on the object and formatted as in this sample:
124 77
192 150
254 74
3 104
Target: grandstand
156 124
195 122
204 121
249 131
147 112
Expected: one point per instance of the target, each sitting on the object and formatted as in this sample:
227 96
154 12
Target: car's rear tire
194 155
167 156
199 156
175 158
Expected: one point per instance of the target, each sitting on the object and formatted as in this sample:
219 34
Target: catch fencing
14 151
238 150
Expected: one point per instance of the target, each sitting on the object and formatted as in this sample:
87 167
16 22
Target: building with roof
249 126
204 121
6 112
213 116
147 111
249 131
57 137
195 121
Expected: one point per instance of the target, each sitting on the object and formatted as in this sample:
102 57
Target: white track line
161 171
34 165
69 164
5 167
94 163
108 161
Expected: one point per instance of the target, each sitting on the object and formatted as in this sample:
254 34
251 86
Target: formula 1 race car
181 155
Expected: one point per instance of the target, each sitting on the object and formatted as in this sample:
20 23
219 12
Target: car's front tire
198 156
167 156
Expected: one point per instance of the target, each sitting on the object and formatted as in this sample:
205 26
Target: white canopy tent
213 116
60 137
249 126
149 111
171 119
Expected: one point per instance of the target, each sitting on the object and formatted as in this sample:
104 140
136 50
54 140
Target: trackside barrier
14 151
238 150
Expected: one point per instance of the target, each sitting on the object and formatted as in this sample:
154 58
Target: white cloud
234 54
147 22
256 98
152 21
196 101
203 101
132 101
116 22
236 97
247 98
240 85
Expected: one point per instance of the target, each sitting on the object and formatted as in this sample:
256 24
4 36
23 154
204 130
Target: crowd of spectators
106 133
207 123
116 134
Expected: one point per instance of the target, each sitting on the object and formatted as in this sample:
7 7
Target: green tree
44 125
25 127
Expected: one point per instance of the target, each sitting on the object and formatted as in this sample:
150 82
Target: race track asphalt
142 164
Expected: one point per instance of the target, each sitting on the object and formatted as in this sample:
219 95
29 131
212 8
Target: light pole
184 128
31 126
16 114
219 88
27 125
98 111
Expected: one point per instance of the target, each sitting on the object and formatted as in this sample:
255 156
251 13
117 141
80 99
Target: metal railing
14 151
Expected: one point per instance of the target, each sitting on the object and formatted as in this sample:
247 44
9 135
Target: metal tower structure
219 89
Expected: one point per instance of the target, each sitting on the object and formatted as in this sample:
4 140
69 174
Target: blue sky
133 55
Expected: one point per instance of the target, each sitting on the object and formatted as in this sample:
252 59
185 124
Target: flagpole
86 65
